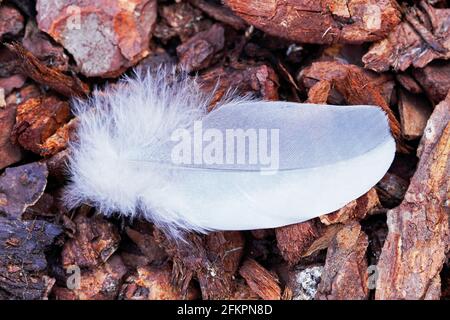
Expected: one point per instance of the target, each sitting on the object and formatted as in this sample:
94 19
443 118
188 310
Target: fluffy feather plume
121 161
123 125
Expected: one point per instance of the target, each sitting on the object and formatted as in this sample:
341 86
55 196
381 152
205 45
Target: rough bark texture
434 79
220 13
23 263
199 51
261 281
212 260
355 210
41 46
345 273
21 187
37 119
22 258
415 249
9 152
154 283
259 80
414 112
422 37
93 243
104 37
101 283
330 21
11 21
52 77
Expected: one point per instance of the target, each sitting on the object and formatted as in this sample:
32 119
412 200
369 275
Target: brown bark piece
94 242
261 281
22 258
391 189
336 71
409 83
345 274
57 164
324 22
44 207
154 283
37 119
104 37
8 63
220 13
101 283
435 79
415 248
41 46
23 94
9 152
11 21
21 187
69 86
294 240
423 36
243 292
224 251
7 85
212 259
143 237
414 112
355 210
180 19
260 234
319 92
60 139
199 51
258 80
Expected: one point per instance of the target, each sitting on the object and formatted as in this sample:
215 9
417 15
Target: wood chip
322 22
355 210
419 39
59 140
319 92
37 119
212 259
154 283
9 153
345 274
258 80
69 86
23 262
261 281
220 13
294 240
103 37
21 187
414 113
101 283
11 21
94 242
434 79
200 51
415 248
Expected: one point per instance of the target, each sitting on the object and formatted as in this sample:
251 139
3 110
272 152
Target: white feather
120 163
